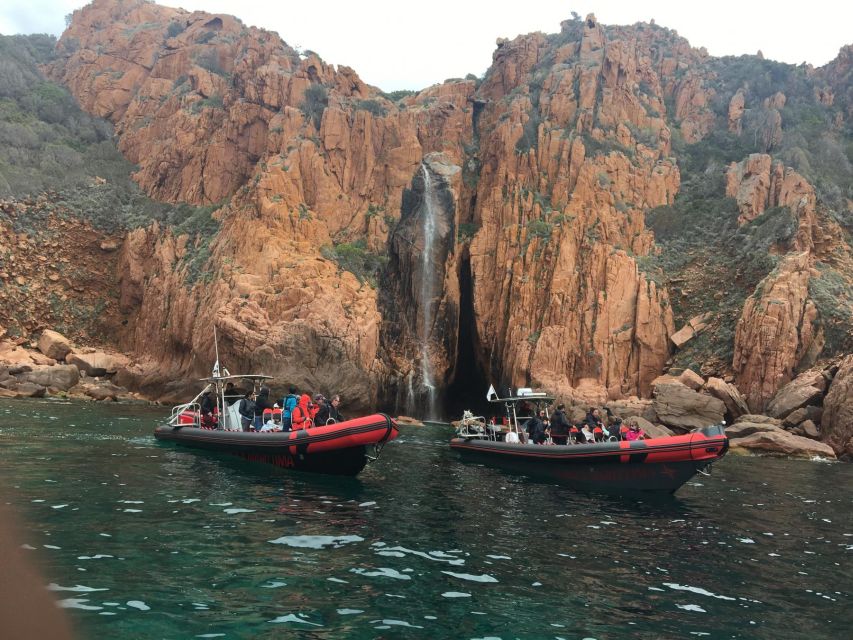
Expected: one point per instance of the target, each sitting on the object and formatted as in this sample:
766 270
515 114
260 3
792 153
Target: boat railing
191 408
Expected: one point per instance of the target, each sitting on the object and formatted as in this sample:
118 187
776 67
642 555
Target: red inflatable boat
341 448
616 466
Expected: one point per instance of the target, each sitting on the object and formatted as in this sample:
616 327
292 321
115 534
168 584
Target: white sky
395 44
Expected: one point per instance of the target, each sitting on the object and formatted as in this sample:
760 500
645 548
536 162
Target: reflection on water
147 540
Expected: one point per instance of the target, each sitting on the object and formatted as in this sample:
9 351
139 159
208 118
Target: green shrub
832 294
394 96
595 147
175 29
539 229
314 102
530 134
373 106
355 258
466 231
209 60
213 102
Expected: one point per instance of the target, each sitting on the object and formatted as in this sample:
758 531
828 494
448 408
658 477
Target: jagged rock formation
545 172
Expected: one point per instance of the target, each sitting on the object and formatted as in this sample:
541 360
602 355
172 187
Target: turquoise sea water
144 540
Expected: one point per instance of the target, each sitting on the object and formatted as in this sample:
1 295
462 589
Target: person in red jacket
301 417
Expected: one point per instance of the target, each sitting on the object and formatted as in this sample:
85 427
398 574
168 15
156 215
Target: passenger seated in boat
593 418
246 409
574 434
586 434
634 432
560 425
300 417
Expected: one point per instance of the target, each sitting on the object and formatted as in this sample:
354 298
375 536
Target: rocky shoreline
811 416
57 368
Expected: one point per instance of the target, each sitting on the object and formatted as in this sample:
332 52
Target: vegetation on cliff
48 144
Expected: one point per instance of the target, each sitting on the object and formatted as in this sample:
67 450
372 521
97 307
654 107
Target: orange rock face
758 183
541 173
775 332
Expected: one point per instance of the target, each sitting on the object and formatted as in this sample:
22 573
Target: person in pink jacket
634 432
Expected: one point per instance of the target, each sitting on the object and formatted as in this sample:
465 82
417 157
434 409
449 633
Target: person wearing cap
314 406
328 412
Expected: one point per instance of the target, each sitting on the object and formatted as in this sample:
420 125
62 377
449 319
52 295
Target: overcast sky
402 45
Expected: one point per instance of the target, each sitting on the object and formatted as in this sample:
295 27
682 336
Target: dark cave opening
469 382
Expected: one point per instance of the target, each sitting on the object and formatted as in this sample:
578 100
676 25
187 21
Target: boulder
683 409
729 394
744 429
13 355
99 390
815 414
575 413
409 421
690 378
30 390
41 359
664 379
757 418
61 376
693 328
782 443
632 406
837 421
810 429
54 345
17 370
97 363
795 417
806 388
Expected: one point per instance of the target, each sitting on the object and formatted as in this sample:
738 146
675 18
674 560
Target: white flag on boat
216 369
491 393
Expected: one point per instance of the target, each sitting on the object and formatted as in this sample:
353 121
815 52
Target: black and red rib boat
618 466
341 448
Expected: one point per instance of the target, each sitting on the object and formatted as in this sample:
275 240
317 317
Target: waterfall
428 210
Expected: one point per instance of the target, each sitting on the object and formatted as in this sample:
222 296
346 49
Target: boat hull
659 465
338 449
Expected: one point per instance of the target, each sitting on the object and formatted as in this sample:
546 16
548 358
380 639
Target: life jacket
300 417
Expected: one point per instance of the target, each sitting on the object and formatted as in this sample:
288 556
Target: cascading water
427 291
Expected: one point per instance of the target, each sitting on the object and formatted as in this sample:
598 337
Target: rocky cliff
552 223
